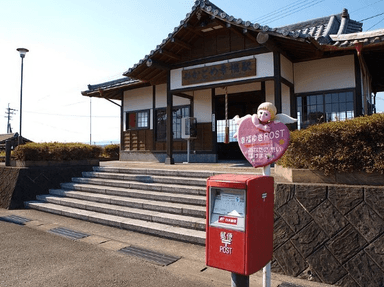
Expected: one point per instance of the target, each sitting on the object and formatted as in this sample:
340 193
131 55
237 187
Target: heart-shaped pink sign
260 147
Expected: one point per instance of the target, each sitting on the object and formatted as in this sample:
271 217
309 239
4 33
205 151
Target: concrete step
161 172
157 229
134 202
147 178
137 193
172 188
128 212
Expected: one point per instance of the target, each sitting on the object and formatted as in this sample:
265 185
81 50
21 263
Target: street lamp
22 52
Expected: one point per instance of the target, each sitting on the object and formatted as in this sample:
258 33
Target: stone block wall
22 184
330 233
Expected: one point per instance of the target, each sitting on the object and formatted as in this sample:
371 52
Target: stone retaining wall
19 184
316 176
330 233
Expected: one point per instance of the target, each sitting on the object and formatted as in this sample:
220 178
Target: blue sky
74 43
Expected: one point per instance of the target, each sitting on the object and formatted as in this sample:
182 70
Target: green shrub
344 146
57 151
112 151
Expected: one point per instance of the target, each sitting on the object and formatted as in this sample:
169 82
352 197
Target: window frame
128 127
176 122
220 127
307 100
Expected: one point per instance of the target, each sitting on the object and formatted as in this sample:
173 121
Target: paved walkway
32 256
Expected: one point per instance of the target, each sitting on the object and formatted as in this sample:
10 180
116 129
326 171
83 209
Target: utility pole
9 112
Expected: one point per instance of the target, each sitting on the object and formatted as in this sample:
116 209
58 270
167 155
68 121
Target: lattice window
324 107
220 124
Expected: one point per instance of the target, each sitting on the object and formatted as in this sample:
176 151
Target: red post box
239 235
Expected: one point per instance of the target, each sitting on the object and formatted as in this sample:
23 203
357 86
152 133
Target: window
324 107
137 120
161 122
221 130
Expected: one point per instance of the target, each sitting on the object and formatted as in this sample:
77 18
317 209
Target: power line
81 102
372 17
278 10
288 10
366 6
291 12
59 128
9 112
375 24
74 116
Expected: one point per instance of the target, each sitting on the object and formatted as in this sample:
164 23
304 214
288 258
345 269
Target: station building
214 66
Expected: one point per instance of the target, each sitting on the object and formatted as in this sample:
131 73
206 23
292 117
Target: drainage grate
158 258
71 234
287 284
15 219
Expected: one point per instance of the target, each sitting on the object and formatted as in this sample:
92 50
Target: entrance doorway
239 104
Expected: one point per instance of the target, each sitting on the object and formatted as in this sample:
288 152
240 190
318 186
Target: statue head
266 112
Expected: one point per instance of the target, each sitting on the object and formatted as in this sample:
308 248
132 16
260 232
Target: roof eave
213 11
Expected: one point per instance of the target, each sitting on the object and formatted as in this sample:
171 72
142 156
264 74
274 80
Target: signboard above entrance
219 72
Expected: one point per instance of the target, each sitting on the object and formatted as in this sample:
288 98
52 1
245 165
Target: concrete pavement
32 256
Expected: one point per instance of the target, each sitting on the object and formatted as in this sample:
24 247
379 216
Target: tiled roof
335 31
4 137
319 29
112 84
364 38
12 136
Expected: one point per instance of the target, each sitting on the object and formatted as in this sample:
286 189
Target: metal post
267 275
7 153
188 149
226 137
90 120
267 170
22 52
267 268
238 280
21 100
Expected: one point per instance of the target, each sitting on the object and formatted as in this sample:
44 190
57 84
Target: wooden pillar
154 119
277 77
263 91
358 97
213 119
122 143
169 159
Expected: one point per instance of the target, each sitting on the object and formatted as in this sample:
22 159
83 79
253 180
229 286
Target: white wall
286 69
285 100
203 106
239 88
138 99
161 98
285 96
325 74
264 68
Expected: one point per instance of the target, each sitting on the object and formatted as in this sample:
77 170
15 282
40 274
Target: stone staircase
166 203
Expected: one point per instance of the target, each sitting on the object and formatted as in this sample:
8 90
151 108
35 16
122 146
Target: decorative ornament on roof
198 15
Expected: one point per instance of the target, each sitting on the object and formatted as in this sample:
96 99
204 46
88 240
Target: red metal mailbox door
225 249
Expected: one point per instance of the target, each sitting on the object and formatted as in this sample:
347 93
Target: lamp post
22 52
